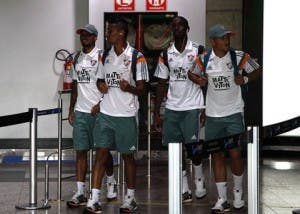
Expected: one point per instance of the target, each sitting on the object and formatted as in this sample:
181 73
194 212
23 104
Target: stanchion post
253 173
59 147
175 177
32 205
149 138
90 171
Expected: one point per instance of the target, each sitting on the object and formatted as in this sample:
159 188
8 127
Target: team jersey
183 94
87 67
117 102
224 97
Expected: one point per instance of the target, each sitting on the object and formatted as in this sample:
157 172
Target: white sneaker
200 191
129 205
221 206
92 207
238 203
111 191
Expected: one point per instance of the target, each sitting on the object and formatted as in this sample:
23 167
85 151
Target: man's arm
200 80
102 86
73 100
240 79
138 90
160 90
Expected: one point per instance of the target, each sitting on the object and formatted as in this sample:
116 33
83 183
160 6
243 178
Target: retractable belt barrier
14 119
253 136
31 117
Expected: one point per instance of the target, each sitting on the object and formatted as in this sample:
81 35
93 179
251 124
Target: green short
118 133
220 127
181 126
83 126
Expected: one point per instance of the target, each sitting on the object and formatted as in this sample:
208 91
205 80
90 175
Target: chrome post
59 158
175 177
32 205
253 173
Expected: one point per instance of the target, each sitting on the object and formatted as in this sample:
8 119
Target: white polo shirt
117 102
183 94
224 97
85 73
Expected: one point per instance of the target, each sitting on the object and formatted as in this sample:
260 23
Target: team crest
229 65
93 62
126 62
191 57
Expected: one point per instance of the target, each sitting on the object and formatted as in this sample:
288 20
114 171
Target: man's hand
103 87
202 118
157 123
71 117
200 80
124 85
95 109
239 80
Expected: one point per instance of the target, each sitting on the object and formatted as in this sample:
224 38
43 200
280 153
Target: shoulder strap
133 63
104 55
244 88
165 58
75 59
206 59
234 62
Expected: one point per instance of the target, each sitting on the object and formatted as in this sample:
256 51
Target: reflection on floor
279 188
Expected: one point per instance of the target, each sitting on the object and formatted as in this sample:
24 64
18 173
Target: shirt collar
92 53
126 51
213 55
188 46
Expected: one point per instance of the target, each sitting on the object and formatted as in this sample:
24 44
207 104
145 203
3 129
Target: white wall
193 10
281 56
31 32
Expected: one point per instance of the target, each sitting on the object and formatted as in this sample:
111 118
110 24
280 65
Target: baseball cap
218 31
88 28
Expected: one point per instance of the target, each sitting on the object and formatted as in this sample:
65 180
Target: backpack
201 49
236 68
105 53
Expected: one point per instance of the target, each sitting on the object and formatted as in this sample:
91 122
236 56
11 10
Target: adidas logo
194 137
132 148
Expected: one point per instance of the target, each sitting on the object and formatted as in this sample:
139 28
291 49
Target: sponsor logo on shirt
221 82
83 75
180 74
113 79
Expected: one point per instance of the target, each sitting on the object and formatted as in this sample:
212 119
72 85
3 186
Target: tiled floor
279 189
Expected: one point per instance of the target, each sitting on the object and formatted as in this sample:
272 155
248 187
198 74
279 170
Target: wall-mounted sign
124 5
157 5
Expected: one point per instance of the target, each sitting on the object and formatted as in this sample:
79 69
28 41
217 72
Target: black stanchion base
33 206
296 211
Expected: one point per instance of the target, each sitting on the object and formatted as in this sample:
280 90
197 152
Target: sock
222 190
185 185
111 179
80 187
130 192
238 182
198 172
95 195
